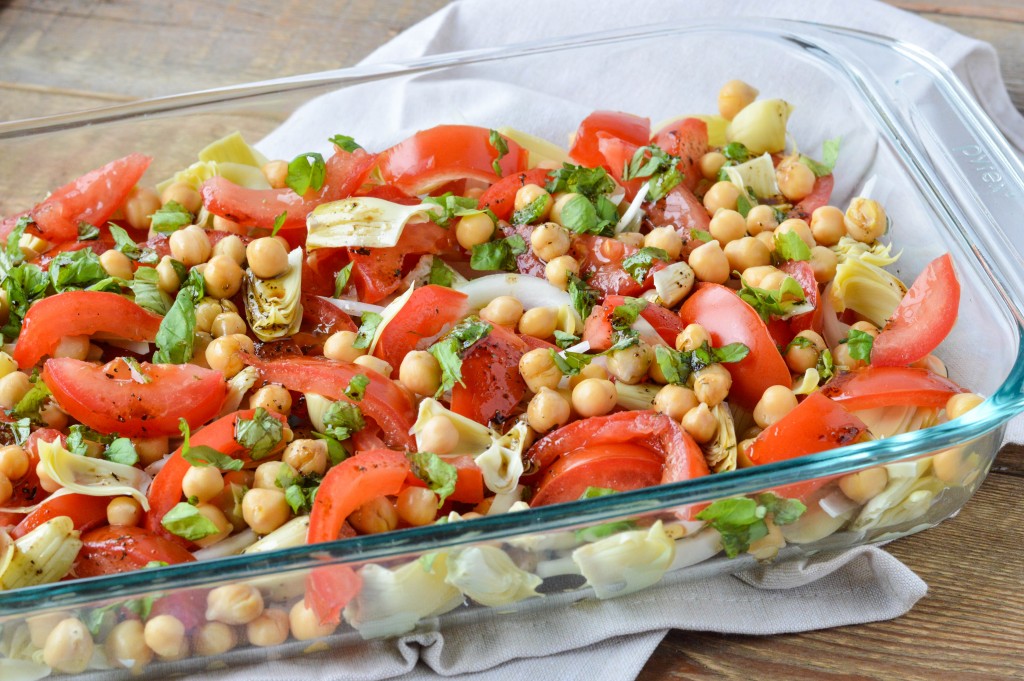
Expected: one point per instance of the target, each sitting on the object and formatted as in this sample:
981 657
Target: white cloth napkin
612 639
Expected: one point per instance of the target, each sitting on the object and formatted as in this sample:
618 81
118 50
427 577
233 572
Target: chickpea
202 482
795 180
14 461
340 346
224 354
539 322
6 489
116 264
40 626
68 647
774 281
234 604
961 403
213 638
374 364
824 262
768 239
124 511
594 397
721 195
865 220
306 624
151 449
734 96
265 510
13 387
709 263
417 506
557 271
272 397
139 206
841 357
438 435
190 246
727 226
549 240
232 247
267 257
866 327
226 324
269 472
269 629
675 401
75 347
165 636
547 410
827 225
665 238
864 485
799 357
798 226
7 363
45 481
692 337
592 370
276 173
747 252
222 224
126 647
420 372
700 423
630 365
168 278
711 384
529 193
761 218
776 402
223 277
711 163
184 194
539 371
503 310
306 456
474 230
375 516
217 517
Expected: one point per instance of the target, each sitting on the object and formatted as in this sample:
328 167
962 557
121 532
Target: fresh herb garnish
344 142
356 389
789 246
440 273
279 223
564 339
499 254
175 340
449 350
439 475
170 218
860 344
185 521
678 365
260 435
741 520
24 284
452 206
500 146
654 163
124 243
639 264
584 298
736 152
306 171
592 183
341 279
768 302
202 455
30 404
145 286
121 450
570 363
342 419
368 324
829 156
87 232
75 270
532 212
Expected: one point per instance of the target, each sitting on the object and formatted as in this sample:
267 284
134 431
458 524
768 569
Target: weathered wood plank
1003 10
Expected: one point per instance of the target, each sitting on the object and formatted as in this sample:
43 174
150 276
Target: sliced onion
582 346
231 546
630 220
647 332
352 306
530 291
837 504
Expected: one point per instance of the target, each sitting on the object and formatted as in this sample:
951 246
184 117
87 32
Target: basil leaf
279 223
570 363
498 255
368 324
125 244
439 475
701 235
175 339
767 302
12 253
440 273
260 435
87 232
185 521
121 450
146 289
675 366
595 492
655 163
783 511
789 246
171 217
448 351
590 182
342 419
451 206
584 298
625 315
341 279
740 520
74 270
532 212
356 389
736 152
564 339
639 264
860 344
499 144
824 366
579 215
202 455
344 142
829 156
800 342
731 353
335 451
21 429
24 285
743 205
306 171
30 404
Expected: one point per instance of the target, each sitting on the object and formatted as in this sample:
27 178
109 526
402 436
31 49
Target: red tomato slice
429 310
188 606
923 318
664 321
585 147
385 402
469 485
345 173
378 272
802 272
597 328
114 549
109 399
818 197
85 511
687 139
430 158
322 318
617 154
600 261
92 198
490 370
621 467
682 211
728 319
352 483
875 386
80 313
500 197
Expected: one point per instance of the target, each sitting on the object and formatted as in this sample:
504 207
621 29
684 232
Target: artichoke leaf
273 306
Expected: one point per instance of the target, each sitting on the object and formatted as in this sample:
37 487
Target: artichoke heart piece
94 477
42 556
272 305
720 453
360 221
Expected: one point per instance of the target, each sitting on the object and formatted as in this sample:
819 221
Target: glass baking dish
913 138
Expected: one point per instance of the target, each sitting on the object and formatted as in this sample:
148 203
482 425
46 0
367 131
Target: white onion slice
582 346
352 306
630 220
647 332
530 291
837 503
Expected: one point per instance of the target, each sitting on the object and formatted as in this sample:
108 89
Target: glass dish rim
1001 406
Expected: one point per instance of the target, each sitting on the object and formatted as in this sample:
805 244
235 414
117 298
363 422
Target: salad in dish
258 354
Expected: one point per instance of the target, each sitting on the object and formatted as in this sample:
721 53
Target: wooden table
57 56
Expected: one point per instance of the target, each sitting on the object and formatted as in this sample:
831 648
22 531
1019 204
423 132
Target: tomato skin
621 467
432 157
80 313
385 402
189 606
108 399
819 196
111 550
323 317
85 511
923 318
500 197
469 485
802 272
378 272
875 386
490 370
687 139
345 172
728 319
600 261
616 154
683 212
425 315
585 148
664 321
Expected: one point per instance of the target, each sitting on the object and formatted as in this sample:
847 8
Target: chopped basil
30 404
99 620
653 162
824 366
260 435
564 339
279 223
356 389
335 451
21 429
532 212
125 244
598 532
768 303
12 254
789 246
581 216
590 182
345 143
570 363
145 286
24 284
743 204
498 255
368 324
500 146
121 450
860 343
171 217
306 171
595 492
77 436
736 152
299 498
800 342
202 455
87 232
829 156
449 349
440 273
584 298
625 315
701 235
185 521
342 419
639 264
452 206
677 366
341 279
74 270
175 339
741 520
439 475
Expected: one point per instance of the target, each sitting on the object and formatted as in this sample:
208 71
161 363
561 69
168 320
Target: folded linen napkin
613 639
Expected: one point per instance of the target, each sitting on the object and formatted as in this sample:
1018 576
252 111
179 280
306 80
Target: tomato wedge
802 272
819 196
728 319
600 261
923 318
490 370
500 197
378 272
585 148
469 485
347 486
433 157
687 139
109 399
621 467
111 550
80 313
682 211
345 172
385 402
875 386
85 511
92 198
324 318
421 320
664 321
617 153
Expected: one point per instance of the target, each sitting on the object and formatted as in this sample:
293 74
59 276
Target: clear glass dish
946 176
